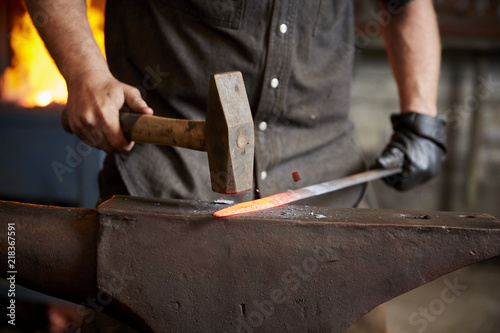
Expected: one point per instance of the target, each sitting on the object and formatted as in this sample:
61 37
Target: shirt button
262 126
263 175
274 83
283 28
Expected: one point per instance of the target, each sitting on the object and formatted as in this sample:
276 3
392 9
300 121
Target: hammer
227 135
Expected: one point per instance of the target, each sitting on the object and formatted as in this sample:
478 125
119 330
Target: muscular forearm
68 37
94 95
414 50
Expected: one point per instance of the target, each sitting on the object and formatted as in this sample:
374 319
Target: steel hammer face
229 134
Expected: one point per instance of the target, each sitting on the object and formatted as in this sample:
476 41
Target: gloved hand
418 145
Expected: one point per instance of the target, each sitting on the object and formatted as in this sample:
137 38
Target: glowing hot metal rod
305 192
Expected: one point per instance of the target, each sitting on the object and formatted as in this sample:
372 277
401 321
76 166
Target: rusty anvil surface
170 266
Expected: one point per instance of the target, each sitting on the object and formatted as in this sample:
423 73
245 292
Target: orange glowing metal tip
305 192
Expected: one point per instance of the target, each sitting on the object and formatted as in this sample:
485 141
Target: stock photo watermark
152 80
371 30
460 112
11 273
75 155
292 278
427 314
73 159
89 309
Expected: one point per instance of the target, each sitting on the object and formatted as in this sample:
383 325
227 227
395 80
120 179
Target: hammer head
229 134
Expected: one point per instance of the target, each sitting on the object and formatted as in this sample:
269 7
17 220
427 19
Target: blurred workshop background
469 96
41 163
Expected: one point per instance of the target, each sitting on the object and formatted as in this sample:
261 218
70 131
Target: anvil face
169 265
291 268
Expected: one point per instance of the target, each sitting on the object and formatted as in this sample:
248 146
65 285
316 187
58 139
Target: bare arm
94 95
418 143
414 50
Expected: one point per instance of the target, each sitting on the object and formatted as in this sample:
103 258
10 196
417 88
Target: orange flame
33 79
253 206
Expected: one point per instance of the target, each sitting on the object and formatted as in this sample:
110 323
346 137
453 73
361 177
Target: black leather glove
418 145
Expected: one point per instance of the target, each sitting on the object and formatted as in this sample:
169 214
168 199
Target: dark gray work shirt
296 61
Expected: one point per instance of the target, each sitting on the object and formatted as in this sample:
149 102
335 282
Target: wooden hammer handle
158 130
163 131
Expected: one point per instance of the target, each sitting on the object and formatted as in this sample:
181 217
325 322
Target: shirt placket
273 96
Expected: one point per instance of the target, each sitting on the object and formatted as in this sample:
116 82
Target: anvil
170 266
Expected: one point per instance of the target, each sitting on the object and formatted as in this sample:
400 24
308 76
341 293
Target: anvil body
170 266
